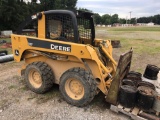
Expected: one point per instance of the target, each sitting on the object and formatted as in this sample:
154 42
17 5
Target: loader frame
93 55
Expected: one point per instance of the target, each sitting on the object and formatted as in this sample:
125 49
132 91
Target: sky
138 8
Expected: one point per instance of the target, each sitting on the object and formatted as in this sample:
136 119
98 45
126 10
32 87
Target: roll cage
65 25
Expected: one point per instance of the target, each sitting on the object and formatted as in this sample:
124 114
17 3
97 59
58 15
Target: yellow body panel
20 43
78 52
41 27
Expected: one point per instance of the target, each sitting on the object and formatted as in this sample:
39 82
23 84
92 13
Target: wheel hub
35 78
74 89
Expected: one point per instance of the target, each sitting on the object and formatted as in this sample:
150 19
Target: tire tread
89 79
46 74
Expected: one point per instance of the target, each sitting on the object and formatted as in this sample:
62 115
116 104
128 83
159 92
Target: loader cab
85 27
69 26
62 25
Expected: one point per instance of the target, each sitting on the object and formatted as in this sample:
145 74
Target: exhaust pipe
6 58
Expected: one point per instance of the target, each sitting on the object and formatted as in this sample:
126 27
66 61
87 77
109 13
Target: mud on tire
39 77
78 87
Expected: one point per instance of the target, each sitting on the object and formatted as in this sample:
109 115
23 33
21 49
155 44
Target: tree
68 4
47 5
13 12
156 19
58 4
133 20
114 19
33 1
97 18
122 20
106 19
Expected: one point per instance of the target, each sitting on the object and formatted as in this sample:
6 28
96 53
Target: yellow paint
41 27
67 60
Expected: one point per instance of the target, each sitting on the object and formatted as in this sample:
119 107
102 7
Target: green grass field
142 39
145 42
134 28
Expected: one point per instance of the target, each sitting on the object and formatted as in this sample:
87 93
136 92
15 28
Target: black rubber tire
47 77
88 82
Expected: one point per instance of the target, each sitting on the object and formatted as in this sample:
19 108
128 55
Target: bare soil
17 102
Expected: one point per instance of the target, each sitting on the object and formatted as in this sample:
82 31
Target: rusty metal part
115 43
148 116
6 58
147 84
122 69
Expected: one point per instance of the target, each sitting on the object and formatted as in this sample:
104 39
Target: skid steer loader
64 51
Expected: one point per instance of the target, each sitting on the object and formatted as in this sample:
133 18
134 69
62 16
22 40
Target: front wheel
78 87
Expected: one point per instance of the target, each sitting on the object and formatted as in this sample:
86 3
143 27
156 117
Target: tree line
107 19
13 12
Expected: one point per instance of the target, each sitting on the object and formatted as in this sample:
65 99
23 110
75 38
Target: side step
135 113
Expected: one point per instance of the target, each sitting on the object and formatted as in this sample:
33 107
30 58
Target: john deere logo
49 45
61 47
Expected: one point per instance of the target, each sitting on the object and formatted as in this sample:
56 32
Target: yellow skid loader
64 51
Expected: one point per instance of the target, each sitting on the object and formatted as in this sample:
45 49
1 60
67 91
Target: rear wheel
39 77
78 86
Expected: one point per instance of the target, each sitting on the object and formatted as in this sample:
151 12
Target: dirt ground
17 102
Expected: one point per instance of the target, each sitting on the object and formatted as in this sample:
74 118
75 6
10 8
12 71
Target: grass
134 28
7 39
142 39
